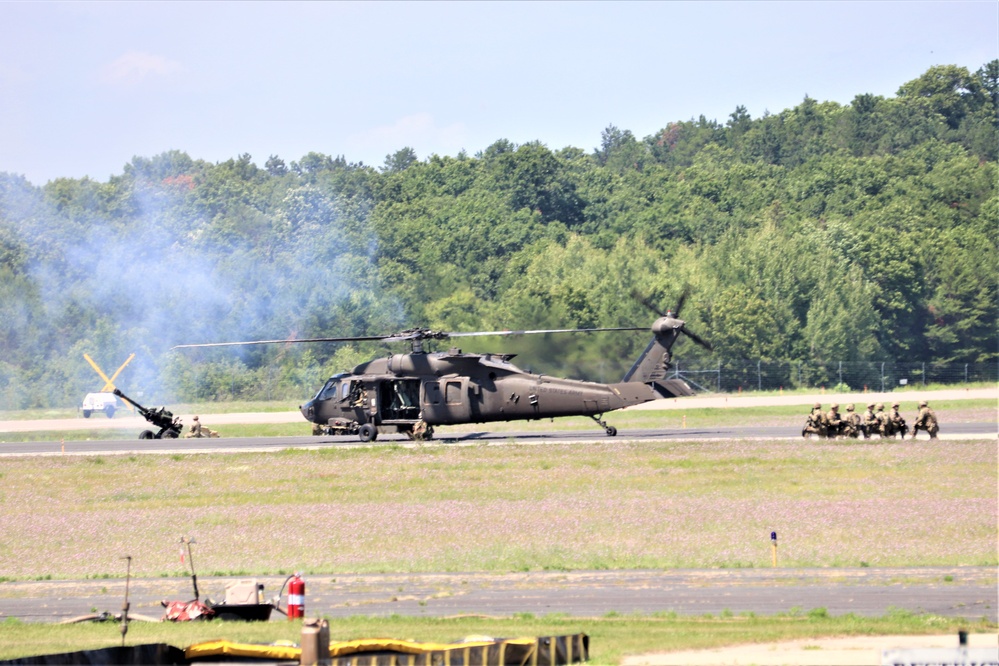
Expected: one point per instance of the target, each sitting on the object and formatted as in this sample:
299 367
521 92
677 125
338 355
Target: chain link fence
733 376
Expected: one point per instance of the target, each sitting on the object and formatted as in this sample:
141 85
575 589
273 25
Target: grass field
607 505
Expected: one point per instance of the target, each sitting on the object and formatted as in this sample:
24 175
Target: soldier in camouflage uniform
198 430
896 424
852 424
869 424
195 429
816 423
834 424
925 420
879 414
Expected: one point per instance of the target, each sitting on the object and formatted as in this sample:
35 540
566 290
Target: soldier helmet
895 405
818 405
195 418
849 407
870 406
881 405
834 406
922 403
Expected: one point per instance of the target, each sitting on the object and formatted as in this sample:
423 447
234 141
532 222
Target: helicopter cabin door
446 401
399 400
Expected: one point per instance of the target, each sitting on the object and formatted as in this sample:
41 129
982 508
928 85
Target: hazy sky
85 86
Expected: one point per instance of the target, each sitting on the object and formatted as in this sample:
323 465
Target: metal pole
759 375
190 556
882 376
841 372
125 606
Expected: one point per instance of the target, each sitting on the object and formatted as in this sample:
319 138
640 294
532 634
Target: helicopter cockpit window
329 392
345 390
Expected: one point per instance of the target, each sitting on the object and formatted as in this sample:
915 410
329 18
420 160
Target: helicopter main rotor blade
462 334
415 334
278 342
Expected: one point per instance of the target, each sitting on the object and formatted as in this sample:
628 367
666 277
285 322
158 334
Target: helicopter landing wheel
367 433
610 430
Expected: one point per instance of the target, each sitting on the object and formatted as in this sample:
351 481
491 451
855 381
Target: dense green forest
823 233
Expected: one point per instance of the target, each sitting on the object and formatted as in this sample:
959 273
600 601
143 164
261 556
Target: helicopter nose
308 410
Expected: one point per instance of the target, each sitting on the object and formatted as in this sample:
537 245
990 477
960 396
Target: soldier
195 429
834 423
896 424
358 397
852 425
879 414
816 423
198 430
870 422
925 420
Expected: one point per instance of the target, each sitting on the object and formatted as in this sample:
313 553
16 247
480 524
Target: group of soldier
872 422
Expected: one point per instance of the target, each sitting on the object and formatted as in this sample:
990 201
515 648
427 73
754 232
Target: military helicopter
412 393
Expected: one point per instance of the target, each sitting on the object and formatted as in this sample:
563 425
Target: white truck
99 402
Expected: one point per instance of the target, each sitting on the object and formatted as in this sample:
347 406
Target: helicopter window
452 393
432 393
329 391
345 390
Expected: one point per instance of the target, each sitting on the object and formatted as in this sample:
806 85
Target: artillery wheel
367 433
109 410
146 434
86 413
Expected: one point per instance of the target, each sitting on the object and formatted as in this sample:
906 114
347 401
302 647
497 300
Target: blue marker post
773 543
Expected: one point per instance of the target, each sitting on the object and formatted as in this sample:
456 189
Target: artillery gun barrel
161 418
142 410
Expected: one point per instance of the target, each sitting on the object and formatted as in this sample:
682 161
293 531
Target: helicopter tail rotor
670 321
652 366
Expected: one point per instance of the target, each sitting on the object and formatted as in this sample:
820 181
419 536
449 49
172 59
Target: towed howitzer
168 424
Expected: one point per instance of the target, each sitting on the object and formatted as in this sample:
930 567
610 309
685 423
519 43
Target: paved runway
949 591
252 444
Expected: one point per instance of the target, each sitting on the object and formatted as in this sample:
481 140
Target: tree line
854 232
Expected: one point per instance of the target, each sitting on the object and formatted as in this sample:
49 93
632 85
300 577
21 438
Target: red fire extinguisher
296 597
